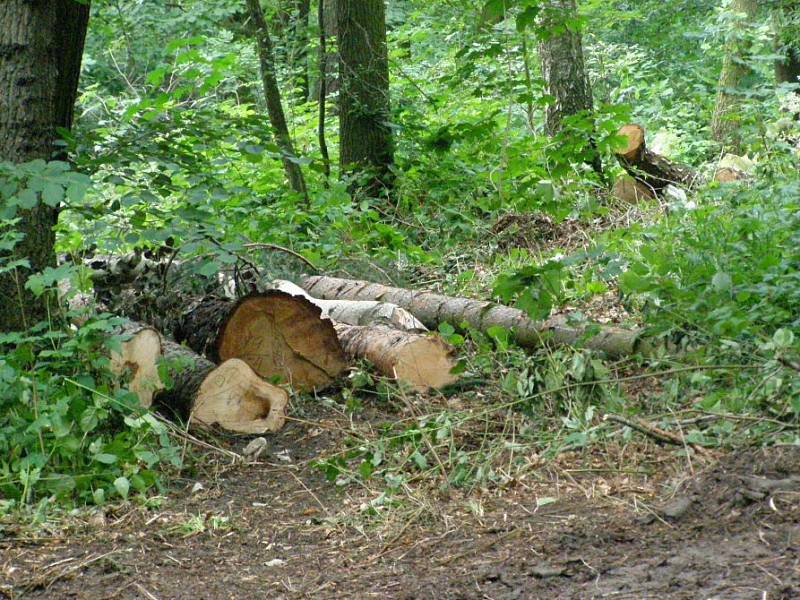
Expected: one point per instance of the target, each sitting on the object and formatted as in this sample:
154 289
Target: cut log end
634 142
280 335
234 397
426 363
140 355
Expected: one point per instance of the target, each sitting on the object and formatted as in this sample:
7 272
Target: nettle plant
68 430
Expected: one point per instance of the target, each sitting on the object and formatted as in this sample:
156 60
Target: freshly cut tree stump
649 168
389 337
433 309
277 334
230 395
138 355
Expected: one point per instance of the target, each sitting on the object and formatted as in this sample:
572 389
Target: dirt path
279 530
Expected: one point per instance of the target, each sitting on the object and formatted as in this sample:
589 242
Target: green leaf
52 194
722 281
783 338
420 460
106 459
123 486
27 199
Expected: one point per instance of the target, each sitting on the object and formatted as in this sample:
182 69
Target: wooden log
422 361
137 357
649 168
277 334
230 395
433 309
357 312
400 352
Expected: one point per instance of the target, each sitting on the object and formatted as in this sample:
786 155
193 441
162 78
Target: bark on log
357 312
649 168
389 337
422 361
277 334
230 395
433 309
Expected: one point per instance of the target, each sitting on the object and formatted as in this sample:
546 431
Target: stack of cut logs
304 337
225 351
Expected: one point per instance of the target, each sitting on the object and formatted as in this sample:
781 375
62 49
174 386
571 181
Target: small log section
230 395
422 361
138 355
433 309
651 169
277 334
389 337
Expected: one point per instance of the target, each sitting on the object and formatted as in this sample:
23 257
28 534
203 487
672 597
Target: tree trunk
725 123
139 355
322 94
276 334
786 22
364 134
41 44
300 54
273 97
357 312
563 69
433 309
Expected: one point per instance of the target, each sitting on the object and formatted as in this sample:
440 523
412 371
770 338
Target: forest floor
618 519
635 522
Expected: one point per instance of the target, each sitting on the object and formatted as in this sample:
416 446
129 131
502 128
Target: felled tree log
230 395
357 312
277 334
649 168
433 309
138 355
422 361
389 337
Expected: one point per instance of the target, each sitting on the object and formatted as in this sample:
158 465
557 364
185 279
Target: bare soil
626 523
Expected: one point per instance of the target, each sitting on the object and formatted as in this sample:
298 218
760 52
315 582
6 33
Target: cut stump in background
650 169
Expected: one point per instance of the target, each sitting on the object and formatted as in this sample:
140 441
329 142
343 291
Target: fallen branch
433 309
654 432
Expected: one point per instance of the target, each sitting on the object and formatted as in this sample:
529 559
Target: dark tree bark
365 136
735 69
323 90
563 68
300 58
41 45
272 93
786 20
